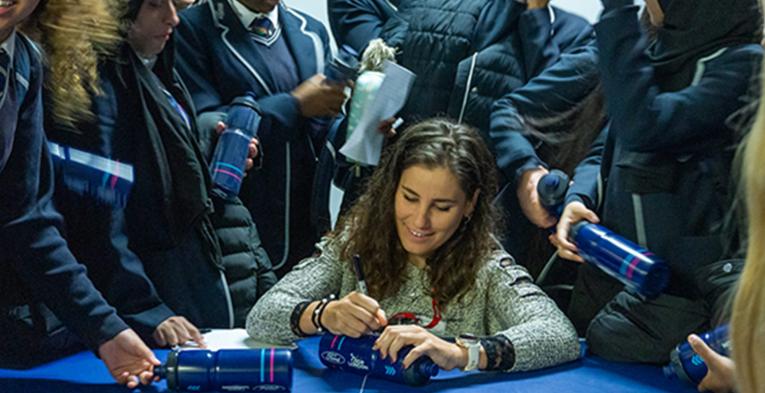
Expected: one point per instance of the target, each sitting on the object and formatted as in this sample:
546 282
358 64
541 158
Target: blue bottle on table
357 356
344 67
230 157
690 367
637 268
240 370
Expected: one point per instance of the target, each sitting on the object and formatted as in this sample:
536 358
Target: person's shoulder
199 10
750 49
500 266
570 18
307 21
741 54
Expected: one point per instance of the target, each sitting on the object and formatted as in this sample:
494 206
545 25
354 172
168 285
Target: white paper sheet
233 339
365 144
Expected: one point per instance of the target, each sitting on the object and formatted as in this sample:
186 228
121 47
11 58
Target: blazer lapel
306 46
236 39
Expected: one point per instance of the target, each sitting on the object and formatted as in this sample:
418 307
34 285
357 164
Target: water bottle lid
552 188
669 372
576 228
169 370
656 280
427 367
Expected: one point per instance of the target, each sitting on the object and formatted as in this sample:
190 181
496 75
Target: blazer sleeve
30 232
356 22
587 174
97 231
558 88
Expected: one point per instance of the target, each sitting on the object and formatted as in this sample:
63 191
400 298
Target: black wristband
319 311
500 353
297 312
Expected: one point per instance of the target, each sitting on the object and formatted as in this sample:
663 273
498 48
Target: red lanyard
408 316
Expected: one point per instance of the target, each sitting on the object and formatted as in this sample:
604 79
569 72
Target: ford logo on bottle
363 360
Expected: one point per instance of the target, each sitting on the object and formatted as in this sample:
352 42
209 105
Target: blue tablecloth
84 373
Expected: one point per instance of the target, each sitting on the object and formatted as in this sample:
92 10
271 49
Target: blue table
84 373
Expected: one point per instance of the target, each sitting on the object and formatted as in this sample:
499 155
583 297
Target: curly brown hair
73 35
452 269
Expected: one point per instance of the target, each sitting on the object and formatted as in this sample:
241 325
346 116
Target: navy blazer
35 263
219 62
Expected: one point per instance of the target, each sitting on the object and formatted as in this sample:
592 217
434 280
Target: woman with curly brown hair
424 235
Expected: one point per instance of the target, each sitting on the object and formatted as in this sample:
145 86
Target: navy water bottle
344 67
639 269
228 163
228 370
689 366
551 189
357 356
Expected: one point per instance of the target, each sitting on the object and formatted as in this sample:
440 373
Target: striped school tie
262 27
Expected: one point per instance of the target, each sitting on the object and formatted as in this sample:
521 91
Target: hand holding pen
356 314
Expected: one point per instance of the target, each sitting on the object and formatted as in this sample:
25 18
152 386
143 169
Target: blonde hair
748 321
73 35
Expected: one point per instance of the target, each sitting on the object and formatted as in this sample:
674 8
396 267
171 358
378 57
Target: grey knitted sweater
504 301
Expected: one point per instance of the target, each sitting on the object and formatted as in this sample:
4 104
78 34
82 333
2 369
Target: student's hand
128 359
388 127
443 353
317 98
534 4
354 315
572 213
253 151
177 330
720 375
528 198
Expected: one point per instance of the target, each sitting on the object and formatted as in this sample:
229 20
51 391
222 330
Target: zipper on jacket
229 302
467 88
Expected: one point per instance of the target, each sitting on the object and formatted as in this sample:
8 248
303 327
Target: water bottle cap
552 188
669 372
576 228
169 370
656 280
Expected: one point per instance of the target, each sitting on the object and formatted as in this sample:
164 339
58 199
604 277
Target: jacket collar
299 40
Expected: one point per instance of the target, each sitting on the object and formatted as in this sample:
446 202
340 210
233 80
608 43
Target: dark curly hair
370 223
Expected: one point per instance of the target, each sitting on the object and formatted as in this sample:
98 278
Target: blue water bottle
639 269
228 370
344 67
230 157
689 366
357 356
552 188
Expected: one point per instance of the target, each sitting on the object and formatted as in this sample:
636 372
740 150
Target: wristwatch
473 346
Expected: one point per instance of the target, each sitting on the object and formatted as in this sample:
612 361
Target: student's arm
30 238
356 22
645 119
558 89
535 332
